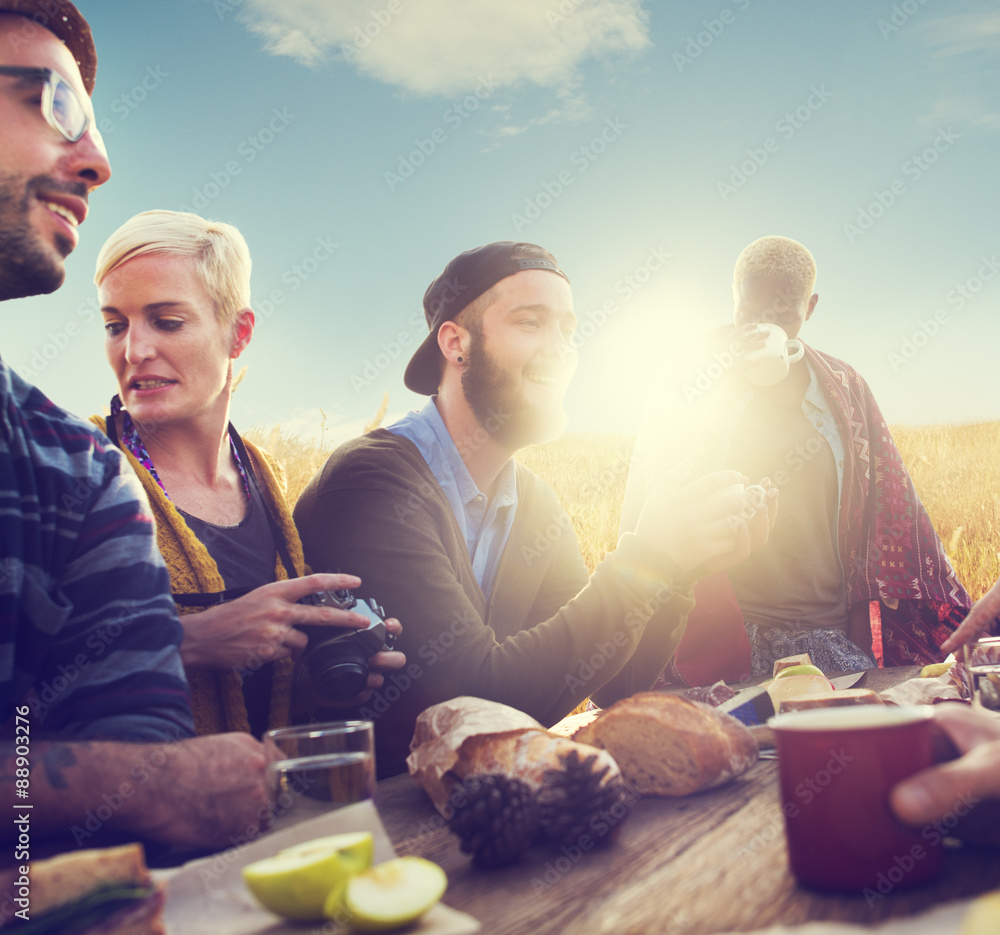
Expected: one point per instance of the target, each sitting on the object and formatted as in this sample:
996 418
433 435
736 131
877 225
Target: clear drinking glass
322 766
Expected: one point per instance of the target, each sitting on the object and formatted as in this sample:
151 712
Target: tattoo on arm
58 757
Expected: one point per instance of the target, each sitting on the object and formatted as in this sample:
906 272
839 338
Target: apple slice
792 686
983 916
806 669
389 895
296 881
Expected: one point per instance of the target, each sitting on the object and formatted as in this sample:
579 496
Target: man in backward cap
472 551
92 689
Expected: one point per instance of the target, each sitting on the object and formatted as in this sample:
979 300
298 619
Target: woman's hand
707 522
260 626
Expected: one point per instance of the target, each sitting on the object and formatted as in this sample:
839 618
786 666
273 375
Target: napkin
208 896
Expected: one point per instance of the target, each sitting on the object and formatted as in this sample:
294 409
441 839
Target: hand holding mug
767 362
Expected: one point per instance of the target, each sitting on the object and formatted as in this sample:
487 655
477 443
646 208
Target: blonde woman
174 291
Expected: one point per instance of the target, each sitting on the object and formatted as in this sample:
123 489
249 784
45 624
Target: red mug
837 767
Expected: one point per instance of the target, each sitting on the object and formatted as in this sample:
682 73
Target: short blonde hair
778 257
221 255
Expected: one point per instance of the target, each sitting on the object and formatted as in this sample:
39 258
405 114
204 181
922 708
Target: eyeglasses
61 106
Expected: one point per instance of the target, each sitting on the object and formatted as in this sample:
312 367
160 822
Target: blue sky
360 144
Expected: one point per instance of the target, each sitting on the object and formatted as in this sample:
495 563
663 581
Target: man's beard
26 267
498 402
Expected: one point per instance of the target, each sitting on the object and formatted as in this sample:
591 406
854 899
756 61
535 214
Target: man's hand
707 521
980 616
208 791
261 625
305 698
953 788
748 338
756 517
198 792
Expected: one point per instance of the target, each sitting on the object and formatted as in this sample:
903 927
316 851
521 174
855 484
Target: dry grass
956 470
301 458
588 473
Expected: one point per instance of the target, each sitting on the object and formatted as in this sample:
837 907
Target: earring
460 360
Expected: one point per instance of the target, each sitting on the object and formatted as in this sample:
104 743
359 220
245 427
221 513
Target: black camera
337 657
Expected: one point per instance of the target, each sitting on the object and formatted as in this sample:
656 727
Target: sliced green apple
800 670
388 896
296 881
983 916
795 685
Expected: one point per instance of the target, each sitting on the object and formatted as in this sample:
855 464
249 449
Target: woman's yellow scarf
217 695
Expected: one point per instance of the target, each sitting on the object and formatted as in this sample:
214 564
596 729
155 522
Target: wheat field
956 470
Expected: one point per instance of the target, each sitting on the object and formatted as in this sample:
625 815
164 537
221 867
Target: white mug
769 364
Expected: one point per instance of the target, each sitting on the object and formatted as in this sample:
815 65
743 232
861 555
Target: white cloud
963 33
966 93
448 47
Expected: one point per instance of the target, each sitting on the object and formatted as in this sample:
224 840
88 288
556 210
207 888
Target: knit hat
67 23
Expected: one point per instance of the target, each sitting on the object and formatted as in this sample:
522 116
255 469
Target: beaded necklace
132 441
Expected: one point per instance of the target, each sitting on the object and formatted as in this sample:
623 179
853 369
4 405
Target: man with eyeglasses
94 705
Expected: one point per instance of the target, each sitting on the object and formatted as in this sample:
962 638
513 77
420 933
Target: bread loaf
669 745
570 724
474 737
526 755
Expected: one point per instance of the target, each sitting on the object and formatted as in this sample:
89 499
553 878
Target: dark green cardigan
550 635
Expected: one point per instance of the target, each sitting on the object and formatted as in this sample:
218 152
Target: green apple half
795 686
390 895
800 670
296 882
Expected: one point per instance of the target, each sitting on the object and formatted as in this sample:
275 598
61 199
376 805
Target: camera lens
339 671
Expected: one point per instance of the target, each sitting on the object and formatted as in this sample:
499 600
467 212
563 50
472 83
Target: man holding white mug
763 402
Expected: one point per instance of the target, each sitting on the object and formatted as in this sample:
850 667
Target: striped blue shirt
89 635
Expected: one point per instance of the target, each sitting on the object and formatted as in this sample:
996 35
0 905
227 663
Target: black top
245 555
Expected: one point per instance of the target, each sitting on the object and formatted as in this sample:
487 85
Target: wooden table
698 865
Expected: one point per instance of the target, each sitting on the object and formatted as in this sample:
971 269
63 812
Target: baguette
527 755
469 736
669 745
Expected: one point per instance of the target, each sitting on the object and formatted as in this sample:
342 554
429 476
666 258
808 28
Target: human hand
305 698
980 616
748 337
694 523
948 792
756 516
387 660
260 626
208 791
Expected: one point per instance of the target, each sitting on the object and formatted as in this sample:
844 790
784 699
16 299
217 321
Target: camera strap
276 533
